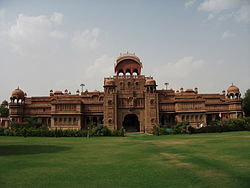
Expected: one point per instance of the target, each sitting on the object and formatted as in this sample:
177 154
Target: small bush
181 127
157 131
101 130
121 132
115 133
247 123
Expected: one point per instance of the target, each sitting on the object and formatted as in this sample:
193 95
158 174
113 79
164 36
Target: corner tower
17 102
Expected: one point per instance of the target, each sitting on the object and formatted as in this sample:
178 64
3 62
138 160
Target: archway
131 123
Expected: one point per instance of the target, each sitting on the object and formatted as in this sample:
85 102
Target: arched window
121 85
110 121
129 84
137 85
135 72
152 101
236 95
109 102
120 73
128 72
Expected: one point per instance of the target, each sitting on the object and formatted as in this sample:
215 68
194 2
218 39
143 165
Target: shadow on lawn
30 149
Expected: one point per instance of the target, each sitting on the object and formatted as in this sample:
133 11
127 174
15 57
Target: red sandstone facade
130 100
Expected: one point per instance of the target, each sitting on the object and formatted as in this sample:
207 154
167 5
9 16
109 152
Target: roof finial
232 83
17 87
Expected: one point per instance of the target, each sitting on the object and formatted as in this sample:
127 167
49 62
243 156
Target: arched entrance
131 123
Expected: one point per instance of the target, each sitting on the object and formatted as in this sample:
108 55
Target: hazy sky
60 44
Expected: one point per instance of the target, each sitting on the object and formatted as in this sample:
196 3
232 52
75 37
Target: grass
201 160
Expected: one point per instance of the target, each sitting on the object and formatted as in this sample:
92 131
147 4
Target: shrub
181 127
234 124
115 133
2 132
121 132
157 131
247 123
101 130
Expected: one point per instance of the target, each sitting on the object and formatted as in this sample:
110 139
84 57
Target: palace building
130 100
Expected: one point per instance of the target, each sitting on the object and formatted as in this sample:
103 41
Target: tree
246 103
4 111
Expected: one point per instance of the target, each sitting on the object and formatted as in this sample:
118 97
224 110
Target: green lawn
202 160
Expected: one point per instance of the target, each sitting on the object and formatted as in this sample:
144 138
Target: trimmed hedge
44 132
226 126
242 124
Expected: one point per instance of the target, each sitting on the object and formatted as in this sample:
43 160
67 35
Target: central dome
128 63
18 93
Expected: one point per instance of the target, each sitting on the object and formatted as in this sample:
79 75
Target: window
110 121
196 117
137 85
121 85
110 102
152 101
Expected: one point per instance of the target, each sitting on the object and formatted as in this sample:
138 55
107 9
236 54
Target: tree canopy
246 103
4 111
